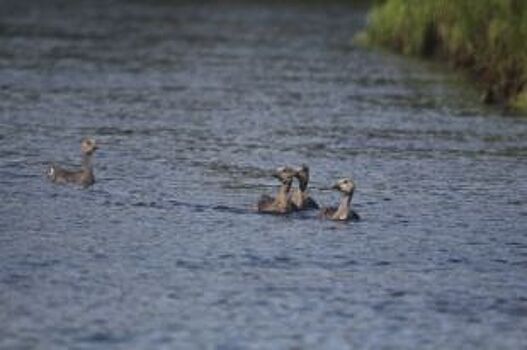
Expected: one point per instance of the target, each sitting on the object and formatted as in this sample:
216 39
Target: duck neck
283 193
87 162
344 207
302 186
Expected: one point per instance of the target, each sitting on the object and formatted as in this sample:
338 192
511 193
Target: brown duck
343 212
281 204
301 198
83 176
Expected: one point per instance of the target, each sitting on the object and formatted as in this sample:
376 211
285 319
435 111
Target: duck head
346 186
88 146
302 174
285 175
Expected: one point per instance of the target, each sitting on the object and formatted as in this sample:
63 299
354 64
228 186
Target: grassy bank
486 37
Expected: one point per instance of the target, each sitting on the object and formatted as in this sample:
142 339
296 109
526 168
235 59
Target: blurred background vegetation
488 38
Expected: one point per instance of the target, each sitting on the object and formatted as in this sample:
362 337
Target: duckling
343 212
300 197
282 203
83 176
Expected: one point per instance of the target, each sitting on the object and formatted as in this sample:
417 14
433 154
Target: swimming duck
300 197
83 176
282 203
343 212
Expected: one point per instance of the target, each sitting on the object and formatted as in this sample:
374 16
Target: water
193 106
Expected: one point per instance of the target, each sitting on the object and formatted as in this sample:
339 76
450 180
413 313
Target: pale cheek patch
51 171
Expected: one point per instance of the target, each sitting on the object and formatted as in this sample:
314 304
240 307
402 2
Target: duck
301 198
83 176
281 204
343 212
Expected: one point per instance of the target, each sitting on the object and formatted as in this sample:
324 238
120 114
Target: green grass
486 37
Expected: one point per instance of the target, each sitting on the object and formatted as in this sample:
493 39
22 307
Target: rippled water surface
193 106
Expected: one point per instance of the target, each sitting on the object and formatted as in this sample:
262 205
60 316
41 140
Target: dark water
193 106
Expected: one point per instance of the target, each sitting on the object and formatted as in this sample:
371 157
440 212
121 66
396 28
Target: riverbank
487 38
